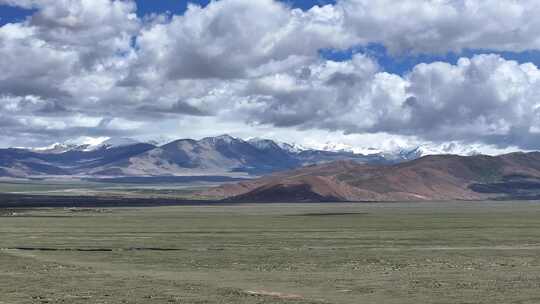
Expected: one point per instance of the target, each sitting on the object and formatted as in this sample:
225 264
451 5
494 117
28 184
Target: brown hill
440 177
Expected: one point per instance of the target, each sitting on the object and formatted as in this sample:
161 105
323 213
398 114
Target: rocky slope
440 177
27 163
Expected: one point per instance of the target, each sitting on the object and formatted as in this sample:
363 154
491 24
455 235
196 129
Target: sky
456 75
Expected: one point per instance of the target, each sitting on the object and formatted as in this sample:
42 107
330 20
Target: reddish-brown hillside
440 177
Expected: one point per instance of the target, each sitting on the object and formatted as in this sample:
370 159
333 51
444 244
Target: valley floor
455 252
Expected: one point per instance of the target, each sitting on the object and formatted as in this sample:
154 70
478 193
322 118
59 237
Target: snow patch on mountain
117 142
56 148
85 144
263 144
346 148
291 147
266 144
407 151
223 139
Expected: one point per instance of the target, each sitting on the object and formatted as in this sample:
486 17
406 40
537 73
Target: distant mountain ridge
225 155
27 163
212 156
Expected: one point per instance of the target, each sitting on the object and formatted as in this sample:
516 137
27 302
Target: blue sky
11 14
402 64
179 6
392 64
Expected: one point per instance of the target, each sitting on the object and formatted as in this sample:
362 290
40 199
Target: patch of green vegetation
455 252
346 177
25 186
488 170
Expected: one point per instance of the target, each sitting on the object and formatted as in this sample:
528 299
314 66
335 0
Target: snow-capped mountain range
404 151
212 156
262 143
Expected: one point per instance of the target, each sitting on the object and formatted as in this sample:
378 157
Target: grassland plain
71 187
454 252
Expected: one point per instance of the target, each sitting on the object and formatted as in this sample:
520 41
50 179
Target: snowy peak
56 148
292 148
263 144
118 142
346 148
337 147
86 145
402 153
432 149
268 144
222 139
